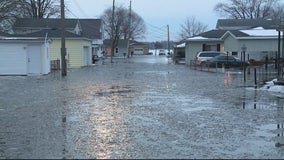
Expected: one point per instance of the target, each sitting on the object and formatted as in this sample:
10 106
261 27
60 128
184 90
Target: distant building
136 48
259 36
122 47
179 52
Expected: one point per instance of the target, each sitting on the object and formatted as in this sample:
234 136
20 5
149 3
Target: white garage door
138 51
13 59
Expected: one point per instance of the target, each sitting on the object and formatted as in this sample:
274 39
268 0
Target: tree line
127 24
235 9
12 9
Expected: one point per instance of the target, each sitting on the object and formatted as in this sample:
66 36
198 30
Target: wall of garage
24 58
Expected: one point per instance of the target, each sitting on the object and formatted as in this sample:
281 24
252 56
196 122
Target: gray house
122 47
259 36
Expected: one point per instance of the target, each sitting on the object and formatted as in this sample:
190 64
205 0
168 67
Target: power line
157 28
80 9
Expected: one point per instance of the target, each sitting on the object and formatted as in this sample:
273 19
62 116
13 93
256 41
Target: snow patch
270 86
259 31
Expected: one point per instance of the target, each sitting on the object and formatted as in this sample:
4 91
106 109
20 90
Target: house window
210 47
234 53
116 50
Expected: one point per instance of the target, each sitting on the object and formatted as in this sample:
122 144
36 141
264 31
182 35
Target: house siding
260 45
192 48
256 48
75 52
231 44
259 49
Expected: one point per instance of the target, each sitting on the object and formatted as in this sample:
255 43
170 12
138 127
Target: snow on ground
270 86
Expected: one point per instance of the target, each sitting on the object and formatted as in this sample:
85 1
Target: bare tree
191 27
112 29
247 9
134 27
40 8
9 11
278 12
12 9
121 24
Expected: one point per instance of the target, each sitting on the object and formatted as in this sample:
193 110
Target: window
211 47
234 53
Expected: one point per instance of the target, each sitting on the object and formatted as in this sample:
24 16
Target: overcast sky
157 14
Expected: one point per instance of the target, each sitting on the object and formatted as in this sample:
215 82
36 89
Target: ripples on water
147 107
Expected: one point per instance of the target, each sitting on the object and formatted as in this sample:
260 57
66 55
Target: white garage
21 57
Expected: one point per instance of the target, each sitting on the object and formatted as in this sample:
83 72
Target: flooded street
142 107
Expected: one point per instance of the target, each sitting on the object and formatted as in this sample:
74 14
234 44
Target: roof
236 24
3 34
260 32
212 35
42 34
135 43
91 28
255 33
218 35
182 45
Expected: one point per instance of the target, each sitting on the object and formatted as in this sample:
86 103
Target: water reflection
257 101
280 127
110 123
228 79
270 105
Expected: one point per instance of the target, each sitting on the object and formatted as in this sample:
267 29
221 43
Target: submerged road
142 107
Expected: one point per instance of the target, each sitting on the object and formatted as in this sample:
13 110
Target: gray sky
157 14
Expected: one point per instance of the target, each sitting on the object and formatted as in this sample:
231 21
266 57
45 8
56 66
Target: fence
215 68
264 74
55 65
262 71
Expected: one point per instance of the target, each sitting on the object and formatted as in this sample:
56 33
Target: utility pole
112 32
168 39
129 29
63 46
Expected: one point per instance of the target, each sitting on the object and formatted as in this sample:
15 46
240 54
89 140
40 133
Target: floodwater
142 107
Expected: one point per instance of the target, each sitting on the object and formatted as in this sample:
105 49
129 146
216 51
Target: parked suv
202 57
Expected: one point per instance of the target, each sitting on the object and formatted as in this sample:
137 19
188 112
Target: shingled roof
237 24
42 34
213 33
91 28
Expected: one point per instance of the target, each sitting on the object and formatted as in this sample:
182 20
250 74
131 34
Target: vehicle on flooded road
162 52
202 57
226 61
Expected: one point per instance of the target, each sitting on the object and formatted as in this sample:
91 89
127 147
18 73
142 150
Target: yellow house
79 51
84 38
